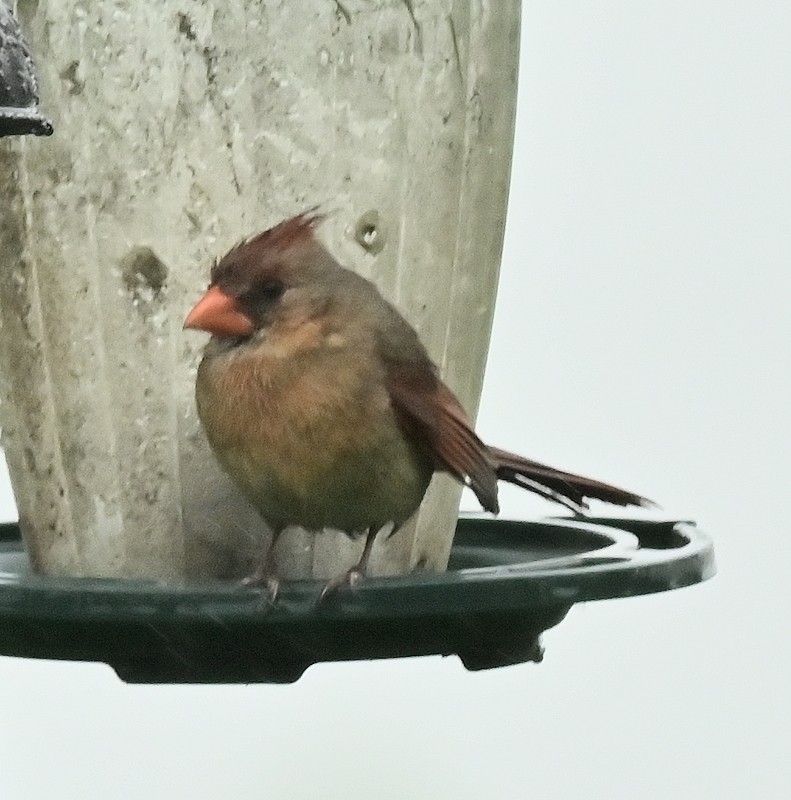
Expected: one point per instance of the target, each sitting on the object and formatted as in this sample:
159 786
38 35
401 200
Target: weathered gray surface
182 127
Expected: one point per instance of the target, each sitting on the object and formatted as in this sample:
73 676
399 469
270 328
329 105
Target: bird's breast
310 435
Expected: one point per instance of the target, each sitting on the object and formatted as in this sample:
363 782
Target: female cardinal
321 403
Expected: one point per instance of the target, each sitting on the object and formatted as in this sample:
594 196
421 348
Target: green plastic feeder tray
507 582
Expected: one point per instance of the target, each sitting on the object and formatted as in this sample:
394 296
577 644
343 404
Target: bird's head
262 278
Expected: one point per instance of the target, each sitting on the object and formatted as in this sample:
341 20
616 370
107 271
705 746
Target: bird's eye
268 292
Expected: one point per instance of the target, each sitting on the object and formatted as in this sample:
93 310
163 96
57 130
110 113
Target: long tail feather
566 488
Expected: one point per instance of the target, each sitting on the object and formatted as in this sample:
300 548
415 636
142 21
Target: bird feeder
507 582
182 129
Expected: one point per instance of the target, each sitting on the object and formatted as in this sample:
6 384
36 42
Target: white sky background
641 335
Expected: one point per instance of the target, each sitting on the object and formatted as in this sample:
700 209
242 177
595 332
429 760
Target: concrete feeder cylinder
181 128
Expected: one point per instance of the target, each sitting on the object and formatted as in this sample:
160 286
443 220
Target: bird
321 403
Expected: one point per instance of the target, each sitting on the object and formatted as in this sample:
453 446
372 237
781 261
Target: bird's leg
356 573
264 574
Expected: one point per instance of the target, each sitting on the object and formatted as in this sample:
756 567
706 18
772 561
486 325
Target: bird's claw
351 578
262 580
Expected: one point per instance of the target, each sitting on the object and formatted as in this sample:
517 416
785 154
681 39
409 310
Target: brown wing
429 411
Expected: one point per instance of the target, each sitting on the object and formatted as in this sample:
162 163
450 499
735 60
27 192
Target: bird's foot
351 578
263 579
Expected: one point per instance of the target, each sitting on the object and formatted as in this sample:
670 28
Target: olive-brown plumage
322 404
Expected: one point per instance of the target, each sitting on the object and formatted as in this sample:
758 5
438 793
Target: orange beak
218 313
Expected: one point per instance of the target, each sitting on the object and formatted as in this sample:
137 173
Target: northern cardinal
322 404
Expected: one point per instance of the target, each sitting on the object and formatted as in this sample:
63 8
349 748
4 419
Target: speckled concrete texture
182 127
